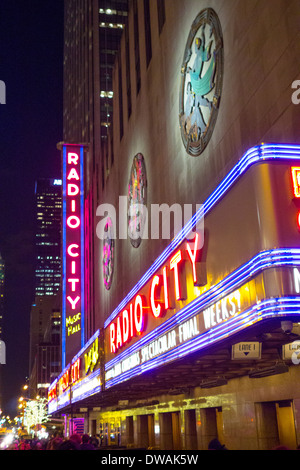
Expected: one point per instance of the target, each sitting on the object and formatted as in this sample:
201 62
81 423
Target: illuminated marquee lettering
165 288
175 263
80 378
156 307
91 357
70 321
73 251
159 346
193 255
296 180
222 310
297 280
52 393
64 381
128 325
75 371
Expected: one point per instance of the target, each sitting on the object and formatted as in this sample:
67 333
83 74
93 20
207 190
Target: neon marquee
73 252
79 379
258 154
163 291
133 346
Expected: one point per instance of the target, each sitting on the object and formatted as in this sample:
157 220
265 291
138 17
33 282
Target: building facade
192 272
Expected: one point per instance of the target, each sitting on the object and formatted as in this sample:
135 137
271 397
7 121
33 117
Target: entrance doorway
276 425
211 426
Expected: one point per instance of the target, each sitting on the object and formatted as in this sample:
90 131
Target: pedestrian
55 443
95 442
68 444
281 447
85 443
215 444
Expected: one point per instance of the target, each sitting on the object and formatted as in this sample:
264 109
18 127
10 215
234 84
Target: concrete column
129 433
190 430
142 431
166 435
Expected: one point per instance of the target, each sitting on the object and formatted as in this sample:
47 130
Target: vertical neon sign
73 252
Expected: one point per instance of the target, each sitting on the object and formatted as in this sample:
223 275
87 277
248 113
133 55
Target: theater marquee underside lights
244 275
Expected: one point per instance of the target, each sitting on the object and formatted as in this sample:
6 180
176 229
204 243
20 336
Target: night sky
31 65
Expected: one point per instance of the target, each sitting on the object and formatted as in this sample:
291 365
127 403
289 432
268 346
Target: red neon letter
193 256
174 265
73 282
73 175
139 322
131 320
73 302
125 319
75 369
73 221
296 180
112 330
166 289
155 309
119 342
70 250
72 158
72 189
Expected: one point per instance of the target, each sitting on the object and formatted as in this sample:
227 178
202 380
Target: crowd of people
56 442
85 442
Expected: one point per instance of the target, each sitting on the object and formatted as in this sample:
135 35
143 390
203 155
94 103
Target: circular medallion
108 254
201 82
137 200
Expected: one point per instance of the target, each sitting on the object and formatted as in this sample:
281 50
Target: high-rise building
92 34
94 28
48 236
45 333
112 21
44 350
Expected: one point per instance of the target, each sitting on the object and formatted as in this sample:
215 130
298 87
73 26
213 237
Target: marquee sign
177 308
79 379
174 310
73 252
205 322
174 283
